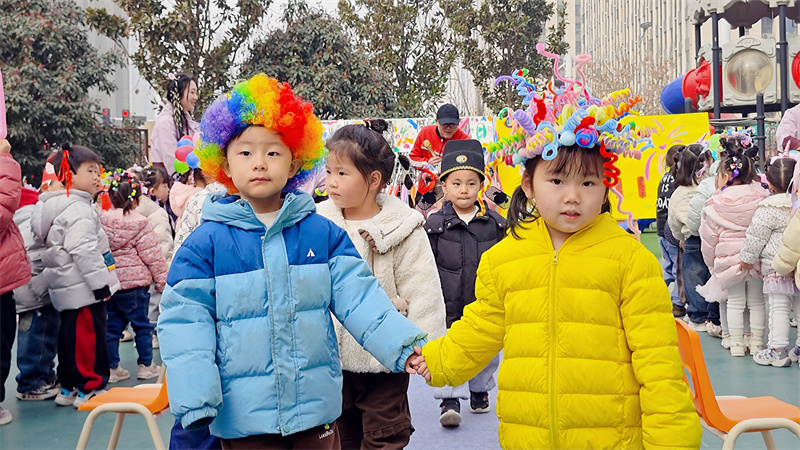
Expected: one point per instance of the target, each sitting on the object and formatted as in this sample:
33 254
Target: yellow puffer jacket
590 348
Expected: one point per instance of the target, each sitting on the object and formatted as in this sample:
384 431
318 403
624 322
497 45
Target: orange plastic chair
146 399
730 416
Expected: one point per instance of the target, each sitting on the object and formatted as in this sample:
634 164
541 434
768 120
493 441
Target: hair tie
64 171
171 76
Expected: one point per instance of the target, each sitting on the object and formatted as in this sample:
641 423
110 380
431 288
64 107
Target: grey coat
34 294
74 241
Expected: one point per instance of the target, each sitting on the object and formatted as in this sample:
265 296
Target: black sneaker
479 402
451 412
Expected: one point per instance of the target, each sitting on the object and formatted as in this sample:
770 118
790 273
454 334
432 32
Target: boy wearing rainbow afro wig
246 327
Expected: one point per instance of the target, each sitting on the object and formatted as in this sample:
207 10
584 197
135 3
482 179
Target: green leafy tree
498 37
314 55
406 39
201 37
48 68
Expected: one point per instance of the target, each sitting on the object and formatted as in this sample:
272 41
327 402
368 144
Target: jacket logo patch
310 254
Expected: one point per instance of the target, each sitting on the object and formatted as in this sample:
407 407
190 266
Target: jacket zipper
553 349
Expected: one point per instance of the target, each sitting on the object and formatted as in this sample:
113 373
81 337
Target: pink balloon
3 127
181 153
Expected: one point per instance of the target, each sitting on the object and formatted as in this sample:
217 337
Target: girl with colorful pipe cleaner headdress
578 306
247 325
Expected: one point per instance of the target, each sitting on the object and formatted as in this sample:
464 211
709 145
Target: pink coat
164 138
726 216
134 244
14 265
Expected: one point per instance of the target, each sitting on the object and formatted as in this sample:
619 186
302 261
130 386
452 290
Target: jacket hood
390 227
734 205
232 210
50 205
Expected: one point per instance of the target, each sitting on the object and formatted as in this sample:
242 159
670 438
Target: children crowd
729 247
290 324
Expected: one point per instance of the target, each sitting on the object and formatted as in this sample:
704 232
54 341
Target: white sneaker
118 374
155 341
83 397
714 330
148 372
794 354
66 397
776 357
699 327
726 343
5 416
738 349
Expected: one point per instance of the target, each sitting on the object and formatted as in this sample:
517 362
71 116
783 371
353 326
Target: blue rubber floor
42 425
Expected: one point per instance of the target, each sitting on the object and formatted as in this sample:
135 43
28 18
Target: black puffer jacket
458 247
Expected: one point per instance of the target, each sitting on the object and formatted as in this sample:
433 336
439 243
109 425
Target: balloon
192 161
184 141
3 129
180 166
187 137
182 152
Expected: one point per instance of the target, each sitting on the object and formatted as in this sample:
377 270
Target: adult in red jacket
431 139
13 263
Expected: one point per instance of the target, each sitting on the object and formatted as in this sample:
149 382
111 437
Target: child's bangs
578 161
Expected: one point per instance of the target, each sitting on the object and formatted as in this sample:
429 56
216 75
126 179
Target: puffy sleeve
709 238
417 281
364 309
150 253
669 419
758 233
788 255
82 244
10 189
472 341
676 218
188 337
696 205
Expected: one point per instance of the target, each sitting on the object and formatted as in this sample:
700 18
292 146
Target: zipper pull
555 257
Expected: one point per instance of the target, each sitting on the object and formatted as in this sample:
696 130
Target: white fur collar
777 201
388 228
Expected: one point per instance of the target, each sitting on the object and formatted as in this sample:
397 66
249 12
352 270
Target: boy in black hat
459 236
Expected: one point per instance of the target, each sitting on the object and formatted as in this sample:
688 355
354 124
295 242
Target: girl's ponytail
519 211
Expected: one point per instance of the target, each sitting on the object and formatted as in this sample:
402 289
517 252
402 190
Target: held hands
435 160
416 364
745 266
5 147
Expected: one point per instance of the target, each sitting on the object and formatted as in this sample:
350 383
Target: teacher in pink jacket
15 270
173 121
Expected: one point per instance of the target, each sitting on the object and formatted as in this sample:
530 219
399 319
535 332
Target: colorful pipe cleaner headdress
567 116
266 102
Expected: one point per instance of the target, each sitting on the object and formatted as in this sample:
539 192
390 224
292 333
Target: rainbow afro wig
261 101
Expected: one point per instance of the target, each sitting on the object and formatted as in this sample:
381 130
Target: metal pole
687 105
761 136
715 68
697 39
783 52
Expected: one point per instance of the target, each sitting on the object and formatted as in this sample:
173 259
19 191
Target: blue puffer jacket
251 346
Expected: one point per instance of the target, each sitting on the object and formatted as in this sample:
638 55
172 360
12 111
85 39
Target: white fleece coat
403 264
679 211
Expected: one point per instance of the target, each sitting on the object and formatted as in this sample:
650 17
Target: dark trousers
200 439
323 437
375 411
37 345
82 350
8 328
130 305
695 273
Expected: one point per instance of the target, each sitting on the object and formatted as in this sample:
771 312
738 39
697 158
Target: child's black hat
462 154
